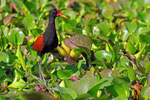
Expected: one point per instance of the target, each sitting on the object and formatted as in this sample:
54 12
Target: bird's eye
54 13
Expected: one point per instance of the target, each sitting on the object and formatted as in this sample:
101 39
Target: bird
48 41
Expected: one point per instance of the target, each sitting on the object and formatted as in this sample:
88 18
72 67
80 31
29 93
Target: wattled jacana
47 41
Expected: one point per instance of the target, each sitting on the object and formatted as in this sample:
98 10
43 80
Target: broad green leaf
118 98
103 54
130 47
4 30
4 57
82 13
66 93
84 85
3 3
103 37
121 86
81 41
124 35
2 73
146 17
19 84
115 74
35 96
89 24
85 50
63 74
142 30
108 11
106 73
29 22
123 62
70 13
131 74
104 82
96 31
104 97
145 38
131 27
78 40
8 79
147 67
85 96
145 92
125 4
16 36
18 75
69 25
104 28
43 3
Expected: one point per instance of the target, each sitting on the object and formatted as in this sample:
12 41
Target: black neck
50 35
51 26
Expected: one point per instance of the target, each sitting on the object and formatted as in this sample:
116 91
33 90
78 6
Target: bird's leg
41 72
42 75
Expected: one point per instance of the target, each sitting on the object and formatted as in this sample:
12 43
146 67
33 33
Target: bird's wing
38 44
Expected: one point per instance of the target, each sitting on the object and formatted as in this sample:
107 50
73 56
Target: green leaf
20 57
2 73
81 41
18 75
20 4
19 84
130 47
104 82
121 86
103 54
70 13
108 11
145 92
4 30
8 79
66 93
4 57
131 27
63 74
29 22
84 85
106 73
147 67
142 30
69 25
16 36
82 13
139 54
43 3
131 74
146 17
145 38
124 35
3 3
85 96
85 50
104 28
55 64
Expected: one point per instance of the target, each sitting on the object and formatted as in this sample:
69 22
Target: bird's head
55 12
